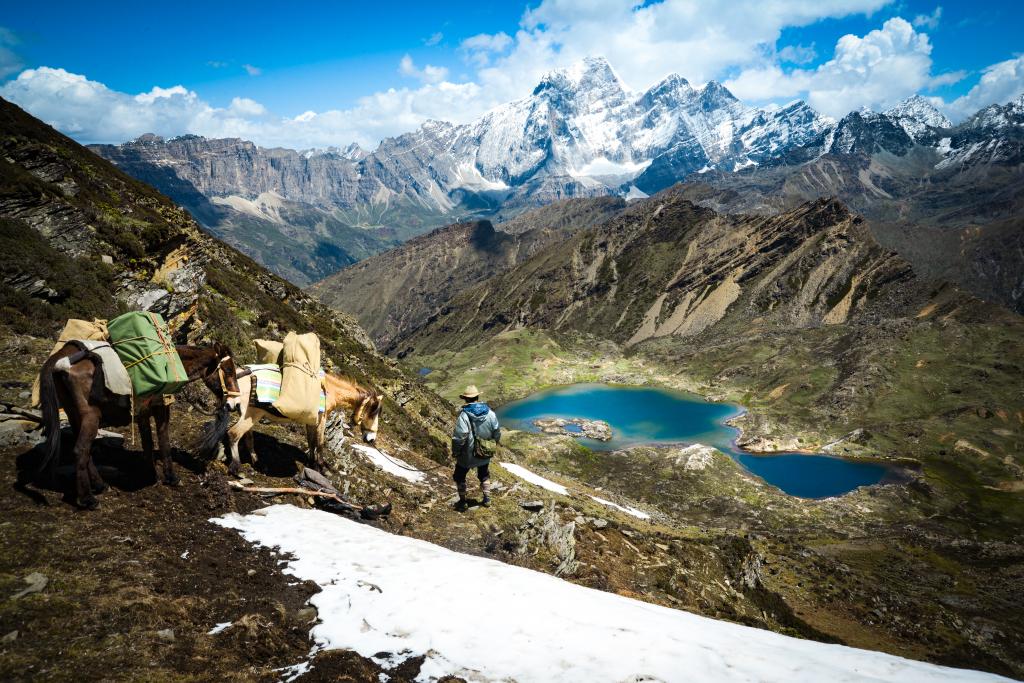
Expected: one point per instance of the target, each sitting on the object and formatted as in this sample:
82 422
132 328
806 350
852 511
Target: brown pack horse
364 405
77 386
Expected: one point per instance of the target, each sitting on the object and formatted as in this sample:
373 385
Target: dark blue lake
640 415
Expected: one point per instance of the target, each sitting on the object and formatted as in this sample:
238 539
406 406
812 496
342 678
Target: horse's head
219 376
367 415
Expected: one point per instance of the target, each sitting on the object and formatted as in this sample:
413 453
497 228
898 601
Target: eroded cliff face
669 268
234 167
947 199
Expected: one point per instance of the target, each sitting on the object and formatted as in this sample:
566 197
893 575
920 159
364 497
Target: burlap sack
300 378
95 330
268 351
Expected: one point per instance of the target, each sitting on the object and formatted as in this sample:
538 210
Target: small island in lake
599 430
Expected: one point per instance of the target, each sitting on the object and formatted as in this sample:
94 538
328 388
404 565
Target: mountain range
580 133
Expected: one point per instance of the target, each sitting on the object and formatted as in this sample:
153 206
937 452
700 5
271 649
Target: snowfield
488 621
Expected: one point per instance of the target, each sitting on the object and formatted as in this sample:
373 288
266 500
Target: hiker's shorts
483 473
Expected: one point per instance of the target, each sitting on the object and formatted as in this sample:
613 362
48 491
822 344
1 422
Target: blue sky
320 57
367 70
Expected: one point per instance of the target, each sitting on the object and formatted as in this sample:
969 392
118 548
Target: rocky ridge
666 267
394 292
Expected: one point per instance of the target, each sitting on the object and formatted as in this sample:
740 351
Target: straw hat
471 392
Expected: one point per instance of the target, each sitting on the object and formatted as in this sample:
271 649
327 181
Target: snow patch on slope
535 479
389 463
635 193
603 166
639 514
383 593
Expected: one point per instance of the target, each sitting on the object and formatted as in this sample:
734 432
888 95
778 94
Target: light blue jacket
476 416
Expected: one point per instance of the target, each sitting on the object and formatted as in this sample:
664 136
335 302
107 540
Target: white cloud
948 78
876 70
434 39
428 74
252 70
497 42
91 112
243 106
999 83
9 59
798 54
929 21
479 48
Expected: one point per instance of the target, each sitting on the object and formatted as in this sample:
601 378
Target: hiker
476 423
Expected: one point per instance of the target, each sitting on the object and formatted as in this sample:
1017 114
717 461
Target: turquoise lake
640 415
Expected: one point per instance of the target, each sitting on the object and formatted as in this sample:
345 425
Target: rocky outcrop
576 427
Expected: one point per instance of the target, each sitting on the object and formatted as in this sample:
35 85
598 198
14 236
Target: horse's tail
51 411
213 432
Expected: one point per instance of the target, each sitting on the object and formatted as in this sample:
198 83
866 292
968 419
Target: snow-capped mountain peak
587 76
585 86
916 116
715 93
582 122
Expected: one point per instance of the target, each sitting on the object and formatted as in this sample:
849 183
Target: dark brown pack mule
78 387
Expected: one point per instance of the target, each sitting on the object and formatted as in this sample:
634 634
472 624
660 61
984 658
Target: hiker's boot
462 505
485 489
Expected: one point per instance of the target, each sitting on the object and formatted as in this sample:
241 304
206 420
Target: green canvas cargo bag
143 343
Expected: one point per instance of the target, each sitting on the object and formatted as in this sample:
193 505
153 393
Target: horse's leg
313 451
235 434
95 480
89 424
72 408
321 440
250 445
162 415
146 435
96 483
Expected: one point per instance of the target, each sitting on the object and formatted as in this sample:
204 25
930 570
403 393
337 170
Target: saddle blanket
115 377
267 384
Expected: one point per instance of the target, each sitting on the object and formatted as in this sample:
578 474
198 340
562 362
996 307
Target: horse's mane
365 394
